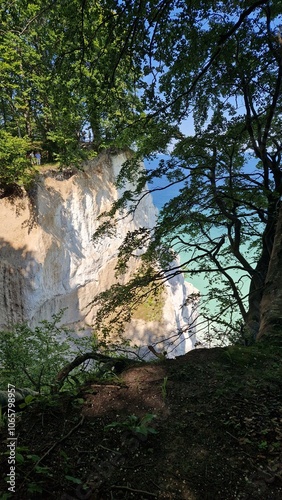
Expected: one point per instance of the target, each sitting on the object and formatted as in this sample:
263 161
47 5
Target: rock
15 397
49 262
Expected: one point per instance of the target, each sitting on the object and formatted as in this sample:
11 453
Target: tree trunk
271 303
252 320
257 286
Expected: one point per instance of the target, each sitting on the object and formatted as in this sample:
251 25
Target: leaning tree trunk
271 303
258 280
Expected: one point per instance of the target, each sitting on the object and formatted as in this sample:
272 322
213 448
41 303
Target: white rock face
175 334
48 260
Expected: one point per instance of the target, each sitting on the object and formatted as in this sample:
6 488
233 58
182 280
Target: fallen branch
114 386
115 362
62 375
143 492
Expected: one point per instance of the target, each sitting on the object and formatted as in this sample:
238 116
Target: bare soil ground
216 433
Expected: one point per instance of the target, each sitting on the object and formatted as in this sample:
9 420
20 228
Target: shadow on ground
215 434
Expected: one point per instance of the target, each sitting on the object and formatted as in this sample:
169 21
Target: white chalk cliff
48 260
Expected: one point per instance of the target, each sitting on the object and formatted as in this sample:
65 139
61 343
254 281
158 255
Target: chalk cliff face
48 260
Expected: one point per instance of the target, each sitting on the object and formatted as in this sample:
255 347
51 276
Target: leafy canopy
218 65
59 91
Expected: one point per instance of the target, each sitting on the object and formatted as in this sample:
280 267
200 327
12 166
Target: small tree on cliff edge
220 65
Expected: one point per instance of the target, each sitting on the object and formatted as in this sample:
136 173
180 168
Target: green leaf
73 479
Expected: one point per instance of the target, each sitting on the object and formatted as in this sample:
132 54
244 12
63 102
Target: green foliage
74 480
26 459
135 74
125 301
151 308
135 425
215 70
15 166
164 388
27 401
57 79
68 150
33 357
2 418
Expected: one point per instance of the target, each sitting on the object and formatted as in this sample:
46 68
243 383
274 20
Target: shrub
33 357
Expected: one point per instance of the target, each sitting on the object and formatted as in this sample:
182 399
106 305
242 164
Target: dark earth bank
206 425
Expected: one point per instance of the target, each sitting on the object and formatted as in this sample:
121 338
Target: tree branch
62 375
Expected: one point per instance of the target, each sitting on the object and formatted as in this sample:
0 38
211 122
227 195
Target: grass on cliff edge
218 415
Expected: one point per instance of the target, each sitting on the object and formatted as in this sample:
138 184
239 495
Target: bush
33 357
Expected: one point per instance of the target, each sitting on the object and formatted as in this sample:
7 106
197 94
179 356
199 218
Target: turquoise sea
160 197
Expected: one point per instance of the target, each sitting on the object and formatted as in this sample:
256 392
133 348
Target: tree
222 66
132 73
56 60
